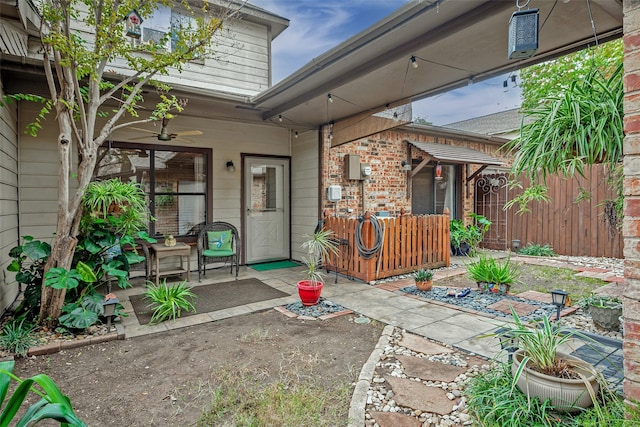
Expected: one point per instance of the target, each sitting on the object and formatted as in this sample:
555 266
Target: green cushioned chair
218 242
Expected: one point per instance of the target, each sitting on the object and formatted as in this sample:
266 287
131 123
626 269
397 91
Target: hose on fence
365 252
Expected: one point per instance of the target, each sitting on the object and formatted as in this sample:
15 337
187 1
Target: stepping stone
427 370
504 306
415 395
536 296
393 419
422 345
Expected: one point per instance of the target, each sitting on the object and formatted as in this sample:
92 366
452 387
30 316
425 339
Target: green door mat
274 265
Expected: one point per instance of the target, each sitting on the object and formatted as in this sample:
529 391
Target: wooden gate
408 243
491 196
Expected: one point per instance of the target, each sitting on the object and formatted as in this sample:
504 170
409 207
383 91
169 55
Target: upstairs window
160 28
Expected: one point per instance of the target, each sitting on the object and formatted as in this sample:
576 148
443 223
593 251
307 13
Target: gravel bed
323 307
481 301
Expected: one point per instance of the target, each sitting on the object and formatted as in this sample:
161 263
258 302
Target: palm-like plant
583 126
122 204
540 345
580 127
169 301
318 246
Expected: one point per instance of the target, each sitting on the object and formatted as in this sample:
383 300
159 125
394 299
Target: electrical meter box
352 166
365 170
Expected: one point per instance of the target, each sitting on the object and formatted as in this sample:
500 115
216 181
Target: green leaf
80 318
86 273
36 250
14 266
60 278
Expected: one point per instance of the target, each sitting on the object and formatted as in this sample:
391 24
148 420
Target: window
175 180
160 27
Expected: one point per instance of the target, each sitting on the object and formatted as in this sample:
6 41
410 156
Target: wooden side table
159 251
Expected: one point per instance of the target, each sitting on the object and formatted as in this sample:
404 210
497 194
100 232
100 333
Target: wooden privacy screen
409 243
569 227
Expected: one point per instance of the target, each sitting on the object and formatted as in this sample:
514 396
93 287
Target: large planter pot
424 285
309 292
606 317
461 250
566 395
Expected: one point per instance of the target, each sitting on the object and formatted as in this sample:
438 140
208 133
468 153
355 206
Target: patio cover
454 154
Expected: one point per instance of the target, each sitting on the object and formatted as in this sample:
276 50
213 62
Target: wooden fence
570 227
408 243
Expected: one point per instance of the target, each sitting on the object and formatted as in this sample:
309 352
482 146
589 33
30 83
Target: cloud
318 26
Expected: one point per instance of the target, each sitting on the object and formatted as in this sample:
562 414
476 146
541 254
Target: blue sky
319 25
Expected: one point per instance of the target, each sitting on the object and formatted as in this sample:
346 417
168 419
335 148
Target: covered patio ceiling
455 42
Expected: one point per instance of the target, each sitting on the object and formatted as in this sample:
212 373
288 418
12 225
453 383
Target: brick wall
386 189
631 228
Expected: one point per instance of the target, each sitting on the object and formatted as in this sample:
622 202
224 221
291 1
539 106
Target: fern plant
168 302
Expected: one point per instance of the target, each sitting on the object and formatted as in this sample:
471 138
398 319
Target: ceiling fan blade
187 140
189 133
142 137
144 130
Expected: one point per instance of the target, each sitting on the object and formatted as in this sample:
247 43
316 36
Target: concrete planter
606 316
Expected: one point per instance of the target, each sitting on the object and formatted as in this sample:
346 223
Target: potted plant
318 246
481 272
465 239
605 310
540 370
423 279
492 275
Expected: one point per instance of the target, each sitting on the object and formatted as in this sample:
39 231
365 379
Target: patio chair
218 242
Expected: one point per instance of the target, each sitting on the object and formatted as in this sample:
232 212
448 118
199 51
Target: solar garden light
109 307
559 299
508 341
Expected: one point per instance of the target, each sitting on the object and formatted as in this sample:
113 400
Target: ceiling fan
164 134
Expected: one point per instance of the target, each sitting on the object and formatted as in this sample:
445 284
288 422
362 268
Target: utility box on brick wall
352 166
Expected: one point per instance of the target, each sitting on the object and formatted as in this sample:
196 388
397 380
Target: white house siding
240 63
304 189
38 170
8 200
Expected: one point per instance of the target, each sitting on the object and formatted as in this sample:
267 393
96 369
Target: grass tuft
240 399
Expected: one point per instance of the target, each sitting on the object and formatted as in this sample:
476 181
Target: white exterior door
266 189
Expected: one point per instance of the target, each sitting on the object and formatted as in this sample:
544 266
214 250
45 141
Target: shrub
168 302
16 337
533 249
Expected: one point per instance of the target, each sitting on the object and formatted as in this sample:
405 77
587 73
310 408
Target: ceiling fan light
164 136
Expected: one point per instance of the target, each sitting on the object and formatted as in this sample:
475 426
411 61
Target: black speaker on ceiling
523 34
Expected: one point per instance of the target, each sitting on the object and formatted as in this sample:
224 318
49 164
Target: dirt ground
165 379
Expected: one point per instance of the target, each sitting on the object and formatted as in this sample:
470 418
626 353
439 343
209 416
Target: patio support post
631 225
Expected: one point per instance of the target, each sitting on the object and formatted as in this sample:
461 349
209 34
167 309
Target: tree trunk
64 242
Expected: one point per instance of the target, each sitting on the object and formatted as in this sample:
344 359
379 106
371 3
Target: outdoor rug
216 296
274 265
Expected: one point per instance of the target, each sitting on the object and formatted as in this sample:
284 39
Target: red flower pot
309 292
